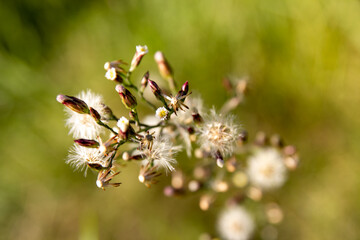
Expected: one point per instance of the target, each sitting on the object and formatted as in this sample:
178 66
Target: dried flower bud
169 191
107 113
137 157
177 180
87 143
95 115
291 162
289 150
243 137
205 202
164 66
144 81
133 115
191 130
197 118
148 175
276 141
104 178
231 164
220 186
254 193
261 139
241 87
227 84
219 159
75 104
126 156
126 97
156 90
139 54
194 186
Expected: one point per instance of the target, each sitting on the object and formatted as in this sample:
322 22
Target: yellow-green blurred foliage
302 58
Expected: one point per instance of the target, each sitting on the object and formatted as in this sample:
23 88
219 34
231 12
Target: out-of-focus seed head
206 201
240 179
254 193
261 139
177 180
274 213
194 186
231 164
289 150
276 141
73 103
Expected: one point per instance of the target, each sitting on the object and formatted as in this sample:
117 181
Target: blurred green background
302 58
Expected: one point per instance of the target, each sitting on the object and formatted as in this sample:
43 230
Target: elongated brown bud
75 104
183 92
126 97
144 81
164 66
95 115
87 143
133 115
185 88
156 90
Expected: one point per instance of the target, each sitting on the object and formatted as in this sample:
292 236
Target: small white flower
142 49
219 133
161 154
123 124
162 113
111 74
80 157
266 169
235 223
83 125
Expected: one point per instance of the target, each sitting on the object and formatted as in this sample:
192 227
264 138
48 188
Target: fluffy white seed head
235 223
80 156
266 169
219 133
162 154
83 125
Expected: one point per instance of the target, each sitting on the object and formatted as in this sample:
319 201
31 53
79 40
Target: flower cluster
227 163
